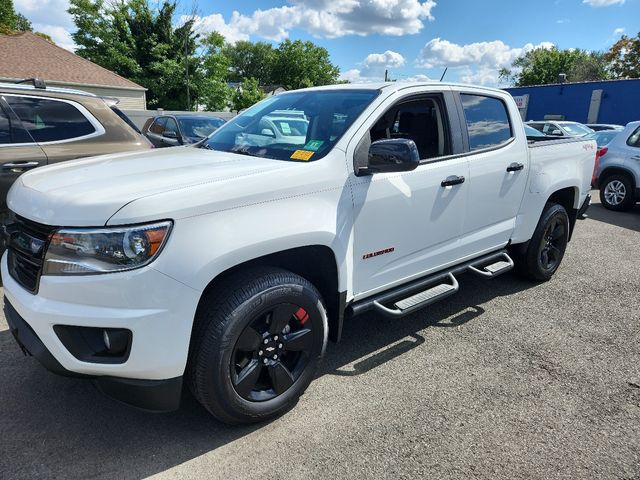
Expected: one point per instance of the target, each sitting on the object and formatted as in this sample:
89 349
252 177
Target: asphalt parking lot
507 379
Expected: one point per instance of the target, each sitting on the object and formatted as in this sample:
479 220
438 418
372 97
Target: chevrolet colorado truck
228 267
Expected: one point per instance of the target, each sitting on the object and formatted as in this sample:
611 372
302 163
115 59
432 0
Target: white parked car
561 128
228 267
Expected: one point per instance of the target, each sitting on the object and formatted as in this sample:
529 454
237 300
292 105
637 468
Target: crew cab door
18 152
498 169
407 224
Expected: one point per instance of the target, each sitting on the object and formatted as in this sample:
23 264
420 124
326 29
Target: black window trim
98 128
465 130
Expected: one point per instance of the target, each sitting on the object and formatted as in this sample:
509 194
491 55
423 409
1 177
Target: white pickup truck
229 265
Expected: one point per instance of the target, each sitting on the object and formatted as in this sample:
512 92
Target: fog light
116 340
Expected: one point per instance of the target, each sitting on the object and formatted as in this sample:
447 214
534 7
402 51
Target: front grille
27 243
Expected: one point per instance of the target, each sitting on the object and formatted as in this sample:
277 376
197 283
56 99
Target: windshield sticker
286 129
313 145
303 155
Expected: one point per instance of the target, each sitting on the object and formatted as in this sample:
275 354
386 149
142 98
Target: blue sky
413 39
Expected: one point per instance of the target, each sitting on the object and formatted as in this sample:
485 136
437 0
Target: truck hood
88 192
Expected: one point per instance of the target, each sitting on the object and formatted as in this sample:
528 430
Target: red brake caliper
302 315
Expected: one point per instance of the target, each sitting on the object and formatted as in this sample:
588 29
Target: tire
616 192
256 345
545 250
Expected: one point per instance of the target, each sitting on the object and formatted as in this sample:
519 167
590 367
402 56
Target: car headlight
86 251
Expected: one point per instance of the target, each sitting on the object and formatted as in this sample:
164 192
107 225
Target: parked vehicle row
231 272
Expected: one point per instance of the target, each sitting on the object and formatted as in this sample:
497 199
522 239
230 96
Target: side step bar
494 269
420 300
420 293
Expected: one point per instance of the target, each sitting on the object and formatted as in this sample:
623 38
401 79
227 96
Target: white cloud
496 54
602 3
50 17
482 76
374 66
618 31
60 35
324 18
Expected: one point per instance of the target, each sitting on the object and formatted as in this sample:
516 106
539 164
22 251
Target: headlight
84 251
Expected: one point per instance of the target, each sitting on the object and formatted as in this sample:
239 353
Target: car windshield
199 127
532 132
576 129
302 126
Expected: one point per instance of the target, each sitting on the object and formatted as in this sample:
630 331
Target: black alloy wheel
256 344
542 255
553 245
271 353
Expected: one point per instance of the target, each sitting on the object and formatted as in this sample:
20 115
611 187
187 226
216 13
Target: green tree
247 59
543 66
624 57
141 43
303 64
11 21
215 94
247 94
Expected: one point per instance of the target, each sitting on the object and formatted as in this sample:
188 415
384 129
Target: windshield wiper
244 151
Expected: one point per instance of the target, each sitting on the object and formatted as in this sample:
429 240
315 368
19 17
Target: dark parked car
174 130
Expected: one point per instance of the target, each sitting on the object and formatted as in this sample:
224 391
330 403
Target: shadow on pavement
59 427
630 219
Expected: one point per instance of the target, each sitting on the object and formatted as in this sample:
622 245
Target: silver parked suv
619 170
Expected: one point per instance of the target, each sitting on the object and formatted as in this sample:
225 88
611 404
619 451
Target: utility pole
186 63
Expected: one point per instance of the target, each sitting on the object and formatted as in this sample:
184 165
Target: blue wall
620 101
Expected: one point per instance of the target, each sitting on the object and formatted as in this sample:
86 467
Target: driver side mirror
170 138
392 155
556 133
268 132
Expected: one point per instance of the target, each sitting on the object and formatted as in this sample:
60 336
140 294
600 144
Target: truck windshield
298 126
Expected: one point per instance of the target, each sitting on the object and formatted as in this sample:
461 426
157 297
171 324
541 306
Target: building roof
25 55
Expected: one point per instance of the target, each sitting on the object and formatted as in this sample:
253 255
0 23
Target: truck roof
395 86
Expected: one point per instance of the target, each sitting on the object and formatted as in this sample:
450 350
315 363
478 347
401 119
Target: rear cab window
49 120
487 121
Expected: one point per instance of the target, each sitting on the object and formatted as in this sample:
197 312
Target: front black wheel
256 345
546 248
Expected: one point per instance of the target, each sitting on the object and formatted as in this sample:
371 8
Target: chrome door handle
8 166
636 157
452 180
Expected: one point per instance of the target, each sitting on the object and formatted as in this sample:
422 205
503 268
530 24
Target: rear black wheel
546 248
256 345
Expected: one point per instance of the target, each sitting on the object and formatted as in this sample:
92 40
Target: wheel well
613 171
566 197
316 263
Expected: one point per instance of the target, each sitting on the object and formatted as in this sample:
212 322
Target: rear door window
50 120
11 132
634 139
171 126
487 121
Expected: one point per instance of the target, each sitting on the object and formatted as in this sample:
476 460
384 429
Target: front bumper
153 395
157 309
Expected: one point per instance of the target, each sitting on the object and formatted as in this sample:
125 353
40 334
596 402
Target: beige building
25 55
